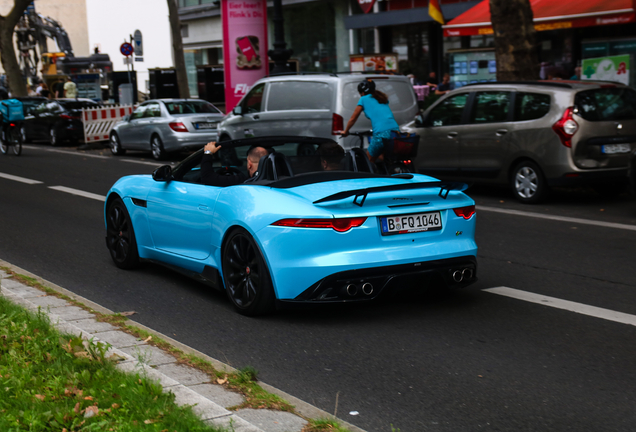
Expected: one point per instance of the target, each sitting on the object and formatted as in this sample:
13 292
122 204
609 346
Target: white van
317 104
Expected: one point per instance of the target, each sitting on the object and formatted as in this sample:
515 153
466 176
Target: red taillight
337 124
68 117
178 127
340 225
465 212
566 127
12 124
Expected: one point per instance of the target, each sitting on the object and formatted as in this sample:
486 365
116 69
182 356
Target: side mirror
238 110
127 118
420 120
163 173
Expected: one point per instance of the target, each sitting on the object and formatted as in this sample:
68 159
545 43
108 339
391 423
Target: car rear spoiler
361 194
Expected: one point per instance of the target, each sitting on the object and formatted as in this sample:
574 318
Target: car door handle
452 135
500 132
203 207
256 117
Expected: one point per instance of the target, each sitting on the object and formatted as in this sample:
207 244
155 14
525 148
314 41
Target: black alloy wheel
120 236
528 183
53 138
156 146
115 145
247 279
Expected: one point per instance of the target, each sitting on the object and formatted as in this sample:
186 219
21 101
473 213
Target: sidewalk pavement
190 386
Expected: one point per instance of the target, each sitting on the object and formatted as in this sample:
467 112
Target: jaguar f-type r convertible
298 231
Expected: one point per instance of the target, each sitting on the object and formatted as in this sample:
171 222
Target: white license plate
411 223
616 148
205 125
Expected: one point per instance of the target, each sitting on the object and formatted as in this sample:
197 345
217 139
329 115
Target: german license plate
411 223
616 148
205 125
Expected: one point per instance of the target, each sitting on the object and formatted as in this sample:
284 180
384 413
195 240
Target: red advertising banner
244 47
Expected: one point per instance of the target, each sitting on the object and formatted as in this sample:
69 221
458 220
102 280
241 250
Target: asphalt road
472 360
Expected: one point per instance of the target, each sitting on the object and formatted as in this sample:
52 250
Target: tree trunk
515 40
17 86
177 49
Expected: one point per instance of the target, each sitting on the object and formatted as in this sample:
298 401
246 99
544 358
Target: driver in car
214 177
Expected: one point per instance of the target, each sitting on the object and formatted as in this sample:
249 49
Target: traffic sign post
126 49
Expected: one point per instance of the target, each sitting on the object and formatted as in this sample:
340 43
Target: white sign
138 44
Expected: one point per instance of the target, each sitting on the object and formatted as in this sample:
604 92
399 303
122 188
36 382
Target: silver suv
312 105
530 135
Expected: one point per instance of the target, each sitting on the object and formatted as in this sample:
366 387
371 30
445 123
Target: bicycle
10 136
392 163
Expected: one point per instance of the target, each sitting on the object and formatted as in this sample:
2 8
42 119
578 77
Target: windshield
606 104
191 107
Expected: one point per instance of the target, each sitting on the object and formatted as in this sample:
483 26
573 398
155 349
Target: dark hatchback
56 121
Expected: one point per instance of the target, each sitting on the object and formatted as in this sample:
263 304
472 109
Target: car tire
156 146
115 145
528 183
247 280
53 138
4 147
23 134
120 236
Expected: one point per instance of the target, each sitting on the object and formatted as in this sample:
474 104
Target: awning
548 15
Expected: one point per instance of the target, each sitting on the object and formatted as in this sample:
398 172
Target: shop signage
244 47
613 68
373 63
366 5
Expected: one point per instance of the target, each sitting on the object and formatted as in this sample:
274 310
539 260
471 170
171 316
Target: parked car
530 135
313 105
56 121
369 233
166 125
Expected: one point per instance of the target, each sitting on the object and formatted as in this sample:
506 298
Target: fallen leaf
128 313
115 406
148 339
40 397
116 358
149 421
82 354
77 408
88 398
91 411
221 381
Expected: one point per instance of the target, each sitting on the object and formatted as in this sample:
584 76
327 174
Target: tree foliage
515 40
17 86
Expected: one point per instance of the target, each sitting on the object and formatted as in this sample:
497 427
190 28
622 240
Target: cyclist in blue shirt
375 105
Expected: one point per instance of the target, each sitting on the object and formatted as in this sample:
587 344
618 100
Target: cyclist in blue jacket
375 105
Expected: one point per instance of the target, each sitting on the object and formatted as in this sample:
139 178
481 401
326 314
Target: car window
40 108
531 106
53 107
190 107
448 112
491 107
400 94
152 110
298 95
606 104
78 105
139 112
254 100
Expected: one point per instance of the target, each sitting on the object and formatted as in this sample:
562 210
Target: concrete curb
188 384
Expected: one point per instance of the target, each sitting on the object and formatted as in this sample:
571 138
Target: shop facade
599 36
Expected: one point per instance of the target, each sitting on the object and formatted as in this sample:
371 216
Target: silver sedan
166 125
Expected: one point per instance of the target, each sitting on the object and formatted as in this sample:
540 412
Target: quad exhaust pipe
463 274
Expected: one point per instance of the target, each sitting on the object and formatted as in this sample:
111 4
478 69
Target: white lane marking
19 179
571 306
558 218
78 192
79 153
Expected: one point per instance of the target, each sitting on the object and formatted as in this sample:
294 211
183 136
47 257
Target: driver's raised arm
210 176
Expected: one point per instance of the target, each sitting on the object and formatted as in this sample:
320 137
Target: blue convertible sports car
297 231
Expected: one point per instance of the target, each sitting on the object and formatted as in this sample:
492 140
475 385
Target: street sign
126 49
140 59
138 44
128 60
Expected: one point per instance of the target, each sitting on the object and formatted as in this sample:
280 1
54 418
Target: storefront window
410 42
198 57
310 32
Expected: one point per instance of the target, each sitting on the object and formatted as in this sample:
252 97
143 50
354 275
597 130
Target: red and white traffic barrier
98 122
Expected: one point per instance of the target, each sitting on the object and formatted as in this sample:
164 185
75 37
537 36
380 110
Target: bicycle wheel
15 140
4 146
